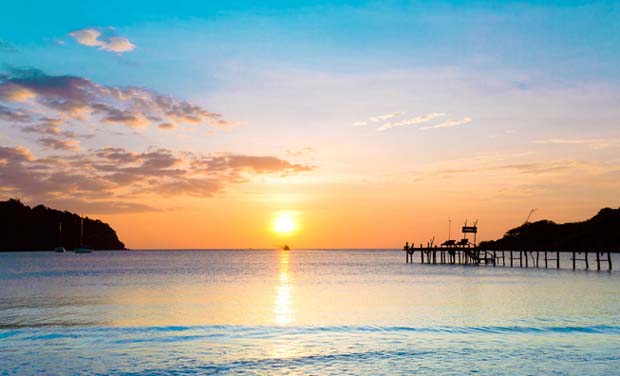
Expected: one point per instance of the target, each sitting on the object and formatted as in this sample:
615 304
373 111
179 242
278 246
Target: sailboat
60 249
82 249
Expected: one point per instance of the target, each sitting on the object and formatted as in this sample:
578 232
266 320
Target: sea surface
307 312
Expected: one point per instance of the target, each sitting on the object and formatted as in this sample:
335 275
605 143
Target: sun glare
284 223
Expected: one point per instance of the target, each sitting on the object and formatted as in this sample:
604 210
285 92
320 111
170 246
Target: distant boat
60 250
285 247
82 249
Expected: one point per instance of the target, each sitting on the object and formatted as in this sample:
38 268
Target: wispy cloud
377 119
412 121
448 124
532 168
302 152
594 143
419 120
94 37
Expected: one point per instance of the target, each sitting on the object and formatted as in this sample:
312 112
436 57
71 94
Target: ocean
306 312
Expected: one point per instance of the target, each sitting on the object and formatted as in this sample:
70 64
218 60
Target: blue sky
568 41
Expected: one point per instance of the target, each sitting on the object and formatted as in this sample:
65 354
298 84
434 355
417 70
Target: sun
284 223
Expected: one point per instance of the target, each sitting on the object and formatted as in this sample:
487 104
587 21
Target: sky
365 124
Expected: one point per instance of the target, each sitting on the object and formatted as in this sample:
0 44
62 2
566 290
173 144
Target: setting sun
284 223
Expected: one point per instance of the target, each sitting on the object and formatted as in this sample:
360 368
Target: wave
188 333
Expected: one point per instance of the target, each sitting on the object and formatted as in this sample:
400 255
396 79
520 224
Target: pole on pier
574 255
609 260
586 258
598 260
545 259
526 260
520 259
557 259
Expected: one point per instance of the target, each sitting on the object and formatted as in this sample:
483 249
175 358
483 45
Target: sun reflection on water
283 304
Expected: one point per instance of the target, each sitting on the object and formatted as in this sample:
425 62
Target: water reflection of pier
283 305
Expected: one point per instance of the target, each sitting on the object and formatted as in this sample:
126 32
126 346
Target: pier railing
521 258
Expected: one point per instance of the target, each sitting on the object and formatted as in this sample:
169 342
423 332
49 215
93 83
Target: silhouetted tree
598 232
42 228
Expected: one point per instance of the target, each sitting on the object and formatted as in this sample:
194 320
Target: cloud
299 153
448 124
50 127
26 91
94 38
15 93
412 121
111 179
15 154
541 168
377 119
13 116
57 144
166 126
257 164
100 207
121 176
594 143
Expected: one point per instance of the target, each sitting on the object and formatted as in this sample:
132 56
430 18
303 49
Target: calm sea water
300 312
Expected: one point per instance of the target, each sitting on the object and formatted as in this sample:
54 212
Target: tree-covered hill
599 232
40 228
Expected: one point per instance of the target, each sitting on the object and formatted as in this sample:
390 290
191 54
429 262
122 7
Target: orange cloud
115 174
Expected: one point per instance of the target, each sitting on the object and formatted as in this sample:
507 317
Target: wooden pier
466 252
519 258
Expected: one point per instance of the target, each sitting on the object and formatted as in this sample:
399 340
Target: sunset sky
198 124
